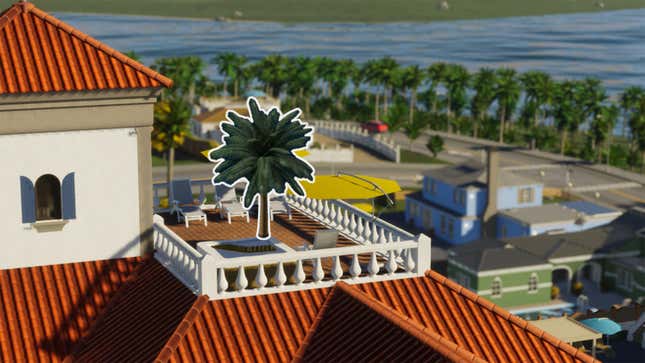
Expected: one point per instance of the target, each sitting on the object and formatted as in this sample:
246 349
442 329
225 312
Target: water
610 45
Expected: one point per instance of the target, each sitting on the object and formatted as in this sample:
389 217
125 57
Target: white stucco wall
106 194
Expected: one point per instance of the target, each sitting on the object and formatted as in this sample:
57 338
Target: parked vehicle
375 126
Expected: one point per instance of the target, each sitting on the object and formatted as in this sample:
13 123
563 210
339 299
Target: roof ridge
426 336
182 328
506 315
298 357
97 44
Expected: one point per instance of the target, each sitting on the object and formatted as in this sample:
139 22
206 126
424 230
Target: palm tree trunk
413 97
376 115
307 106
608 145
449 113
170 166
502 121
563 139
224 89
385 100
263 217
236 87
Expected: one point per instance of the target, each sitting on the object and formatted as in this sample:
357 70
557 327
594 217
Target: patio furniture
324 238
229 205
191 213
279 206
182 196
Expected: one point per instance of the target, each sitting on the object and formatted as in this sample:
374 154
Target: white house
75 124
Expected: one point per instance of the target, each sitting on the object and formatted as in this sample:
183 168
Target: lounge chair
183 201
228 204
278 205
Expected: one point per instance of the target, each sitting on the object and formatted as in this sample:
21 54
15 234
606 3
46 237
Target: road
553 174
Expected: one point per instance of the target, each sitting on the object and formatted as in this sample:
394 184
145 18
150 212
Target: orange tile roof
45 310
39 53
219 114
141 318
347 312
272 327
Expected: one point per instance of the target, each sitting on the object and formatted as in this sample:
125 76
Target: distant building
206 124
455 202
521 271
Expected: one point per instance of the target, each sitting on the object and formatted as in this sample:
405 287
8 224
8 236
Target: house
521 271
460 204
75 123
206 124
86 286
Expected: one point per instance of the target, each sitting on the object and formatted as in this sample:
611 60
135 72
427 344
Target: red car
375 126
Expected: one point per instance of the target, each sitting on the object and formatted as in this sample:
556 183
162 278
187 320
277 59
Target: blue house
455 201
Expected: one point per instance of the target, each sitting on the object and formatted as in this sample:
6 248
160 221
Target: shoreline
292 22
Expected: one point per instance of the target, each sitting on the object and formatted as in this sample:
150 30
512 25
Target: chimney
492 184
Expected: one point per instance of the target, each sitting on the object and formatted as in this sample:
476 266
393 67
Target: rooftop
39 53
219 114
567 329
495 258
474 173
560 212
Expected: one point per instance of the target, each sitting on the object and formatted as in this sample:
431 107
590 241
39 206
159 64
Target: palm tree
457 80
411 78
371 70
325 68
568 109
186 72
628 100
388 69
231 66
272 71
601 129
483 83
133 55
413 129
260 151
302 79
507 93
342 72
170 126
437 74
435 145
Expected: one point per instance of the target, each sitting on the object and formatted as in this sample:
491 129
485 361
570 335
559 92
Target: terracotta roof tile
141 319
39 53
45 310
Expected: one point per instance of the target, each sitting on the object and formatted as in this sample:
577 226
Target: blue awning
604 326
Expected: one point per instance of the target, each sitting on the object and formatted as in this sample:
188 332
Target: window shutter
69 197
28 200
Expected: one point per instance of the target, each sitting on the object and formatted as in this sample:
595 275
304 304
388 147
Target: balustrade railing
177 255
350 221
349 132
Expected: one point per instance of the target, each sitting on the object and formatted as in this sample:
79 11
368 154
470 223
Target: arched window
496 287
533 283
48 199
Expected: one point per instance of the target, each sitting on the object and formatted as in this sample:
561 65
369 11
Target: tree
371 70
231 66
437 75
396 117
342 72
601 129
260 150
133 55
413 129
187 74
272 71
483 83
507 93
302 79
628 102
388 74
170 126
457 80
568 109
411 78
435 145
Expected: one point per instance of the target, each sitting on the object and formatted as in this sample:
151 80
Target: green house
521 271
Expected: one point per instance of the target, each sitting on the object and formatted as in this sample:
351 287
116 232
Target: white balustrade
356 135
160 190
177 255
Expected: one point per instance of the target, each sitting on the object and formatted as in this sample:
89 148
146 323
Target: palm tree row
501 104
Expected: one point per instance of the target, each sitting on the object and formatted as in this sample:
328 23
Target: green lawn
333 10
408 156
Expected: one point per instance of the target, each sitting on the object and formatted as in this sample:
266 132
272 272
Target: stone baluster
261 277
353 225
372 267
391 265
339 217
374 233
367 231
355 268
320 208
299 273
409 261
222 283
332 214
313 206
325 211
336 268
280 277
359 227
318 272
382 239
241 282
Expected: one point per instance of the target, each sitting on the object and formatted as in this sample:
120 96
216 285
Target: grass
333 10
180 159
408 156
